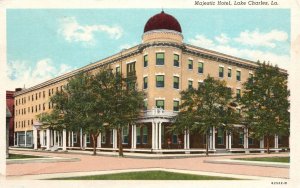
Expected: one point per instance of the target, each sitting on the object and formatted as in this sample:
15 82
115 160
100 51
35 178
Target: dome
162 21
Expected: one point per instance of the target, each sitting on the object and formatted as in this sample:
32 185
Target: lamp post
8 116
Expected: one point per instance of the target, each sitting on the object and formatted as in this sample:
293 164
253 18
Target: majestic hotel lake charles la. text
235 3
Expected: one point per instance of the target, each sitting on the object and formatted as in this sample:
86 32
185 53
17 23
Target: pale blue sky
44 43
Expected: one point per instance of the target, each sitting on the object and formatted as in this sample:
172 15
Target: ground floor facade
151 134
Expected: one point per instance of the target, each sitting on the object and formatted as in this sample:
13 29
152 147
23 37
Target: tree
265 103
91 102
206 107
81 105
126 103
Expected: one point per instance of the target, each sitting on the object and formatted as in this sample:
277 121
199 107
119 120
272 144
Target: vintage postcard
137 90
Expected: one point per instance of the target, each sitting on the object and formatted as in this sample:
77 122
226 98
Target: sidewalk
88 163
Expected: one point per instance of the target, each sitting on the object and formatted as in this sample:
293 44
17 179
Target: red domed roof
162 21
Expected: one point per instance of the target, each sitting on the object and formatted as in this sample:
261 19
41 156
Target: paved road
88 163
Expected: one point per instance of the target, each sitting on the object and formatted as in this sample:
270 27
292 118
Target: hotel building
164 65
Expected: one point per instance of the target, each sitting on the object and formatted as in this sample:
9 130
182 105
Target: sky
45 43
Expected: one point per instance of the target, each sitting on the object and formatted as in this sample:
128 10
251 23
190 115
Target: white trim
160 98
131 61
145 53
239 70
176 99
229 86
221 66
190 79
200 61
176 75
200 81
145 75
190 58
118 65
146 99
177 53
229 68
238 88
250 72
160 73
159 51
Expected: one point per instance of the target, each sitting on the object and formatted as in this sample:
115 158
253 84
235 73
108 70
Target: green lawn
18 156
147 175
267 159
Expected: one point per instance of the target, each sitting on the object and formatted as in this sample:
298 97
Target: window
145 135
74 137
229 73
251 77
52 91
238 75
221 72
238 93
138 135
44 94
145 105
160 104
228 89
190 84
39 107
176 106
174 139
145 60
279 140
130 69
39 94
103 138
145 82
88 138
118 70
220 137
44 108
160 81
125 135
160 58
190 64
176 60
32 99
200 67
49 105
49 92
36 96
241 138
176 82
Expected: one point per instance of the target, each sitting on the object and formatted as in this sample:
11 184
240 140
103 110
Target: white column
116 138
35 137
72 139
245 138
64 140
210 139
262 144
134 138
25 138
81 138
213 138
99 141
159 135
185 139
48 139
229 140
